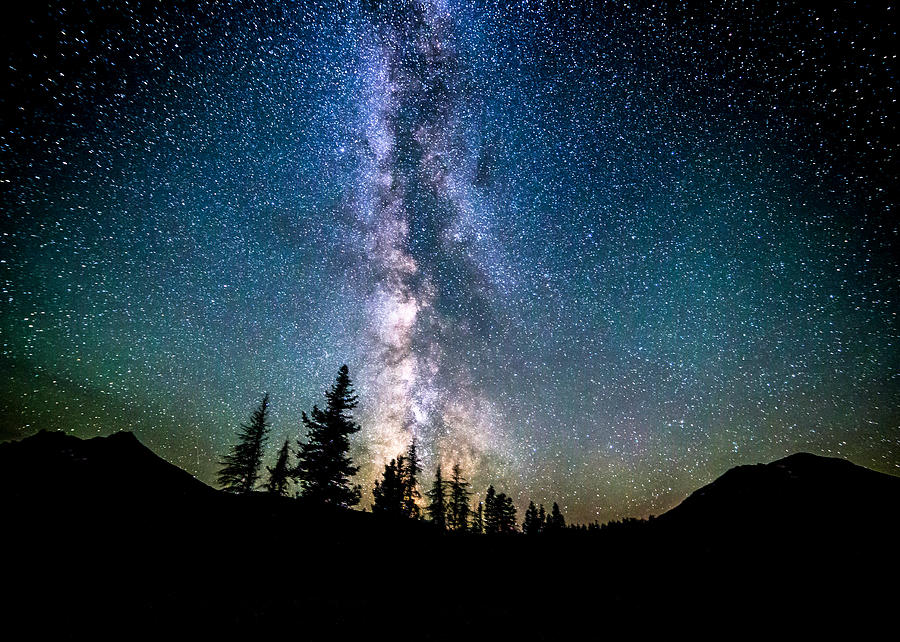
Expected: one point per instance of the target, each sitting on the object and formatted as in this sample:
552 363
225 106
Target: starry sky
597 253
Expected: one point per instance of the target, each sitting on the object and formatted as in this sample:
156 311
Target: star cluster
595 252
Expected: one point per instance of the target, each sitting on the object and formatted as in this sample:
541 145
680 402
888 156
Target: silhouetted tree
278 476
478 519
409 475
532 523
323 467
556 521
458 506
389 492
240 468
506 514
491 514
542 518
437 501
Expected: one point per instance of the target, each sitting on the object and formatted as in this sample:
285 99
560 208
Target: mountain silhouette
104 533
56 467
802 492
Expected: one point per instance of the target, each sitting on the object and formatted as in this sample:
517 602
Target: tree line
322 470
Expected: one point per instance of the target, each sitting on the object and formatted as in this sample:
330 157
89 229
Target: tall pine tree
532 524
478 519
409 474
240 467
437 501
506 514
499 513
556 522
278 476
491 516
458 505
388 493
323 466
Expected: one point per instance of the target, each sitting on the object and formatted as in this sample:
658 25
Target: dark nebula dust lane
597 253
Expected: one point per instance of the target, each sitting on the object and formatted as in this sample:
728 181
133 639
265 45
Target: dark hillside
102 533
801 505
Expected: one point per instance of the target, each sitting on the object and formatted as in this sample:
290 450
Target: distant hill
792 498
59 467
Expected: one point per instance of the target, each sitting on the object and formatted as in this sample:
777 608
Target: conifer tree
556 521
491 517
458 505
240 468
437 497
278 476
531 525
409 475
542 519
478 519
388 493
323 466
505 514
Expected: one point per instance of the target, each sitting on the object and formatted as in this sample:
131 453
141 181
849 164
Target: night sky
596 253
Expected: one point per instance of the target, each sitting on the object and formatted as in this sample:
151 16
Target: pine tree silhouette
491 515
532 524
458 505
323 467
542 519
388 493
240 468
437 496
409 475
278 476
556 522
506 514
478 519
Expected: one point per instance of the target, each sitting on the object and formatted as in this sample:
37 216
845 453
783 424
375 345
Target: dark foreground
104 538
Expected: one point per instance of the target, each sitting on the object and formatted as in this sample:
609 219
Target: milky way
595 253
416 204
